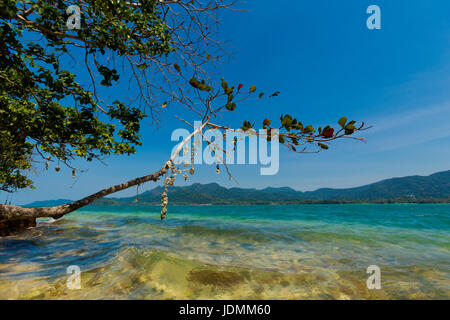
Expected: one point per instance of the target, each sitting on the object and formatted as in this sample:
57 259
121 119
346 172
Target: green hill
433 188
425 189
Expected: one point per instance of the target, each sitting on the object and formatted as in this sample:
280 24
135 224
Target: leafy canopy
47 113
45 110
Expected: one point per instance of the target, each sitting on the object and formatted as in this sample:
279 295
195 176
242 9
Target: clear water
233 252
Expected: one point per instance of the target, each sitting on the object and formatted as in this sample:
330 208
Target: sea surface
233 252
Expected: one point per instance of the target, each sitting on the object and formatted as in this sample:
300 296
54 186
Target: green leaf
309 129
350 129
177 67
224 84
299 126
342 121
199 85
230 106
142 66
247 125
287 122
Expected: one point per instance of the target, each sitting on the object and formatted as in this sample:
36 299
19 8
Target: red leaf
328 132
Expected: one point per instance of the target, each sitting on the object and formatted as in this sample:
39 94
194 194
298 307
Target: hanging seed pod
163 213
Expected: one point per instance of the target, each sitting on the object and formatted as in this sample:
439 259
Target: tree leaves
350 128
275 94
296 134
309 129
342 121
43 107
230 106
200 85
224 85
287 121
177 67
247 125
142 66
327 132
109 75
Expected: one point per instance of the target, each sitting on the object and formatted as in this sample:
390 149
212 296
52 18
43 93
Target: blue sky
327 64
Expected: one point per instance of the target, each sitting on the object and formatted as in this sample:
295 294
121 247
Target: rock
9 227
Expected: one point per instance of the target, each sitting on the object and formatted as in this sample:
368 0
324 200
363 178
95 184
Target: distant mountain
48 203
433 188
209 194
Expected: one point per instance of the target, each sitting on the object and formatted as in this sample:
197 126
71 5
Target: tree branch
11 212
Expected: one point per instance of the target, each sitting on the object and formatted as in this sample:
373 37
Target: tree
47 111
46 114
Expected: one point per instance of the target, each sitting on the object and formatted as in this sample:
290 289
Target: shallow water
233 252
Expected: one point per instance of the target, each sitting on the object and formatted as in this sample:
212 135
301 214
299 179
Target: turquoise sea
233 252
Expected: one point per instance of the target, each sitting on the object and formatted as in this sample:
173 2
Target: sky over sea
326 63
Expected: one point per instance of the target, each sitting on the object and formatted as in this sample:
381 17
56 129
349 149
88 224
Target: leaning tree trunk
16 218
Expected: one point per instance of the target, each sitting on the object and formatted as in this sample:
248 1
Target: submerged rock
216 278
9 227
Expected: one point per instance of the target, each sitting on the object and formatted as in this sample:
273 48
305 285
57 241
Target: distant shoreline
263 204
432 189
140 204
